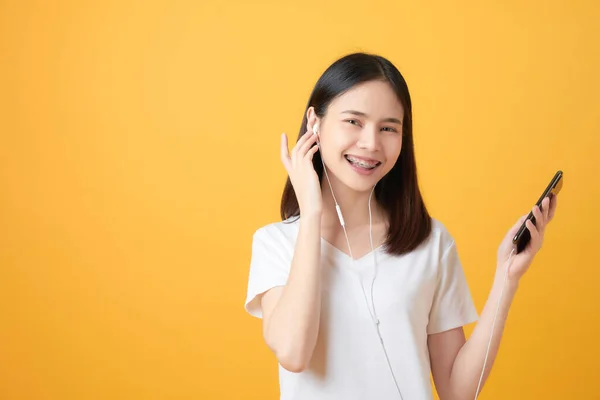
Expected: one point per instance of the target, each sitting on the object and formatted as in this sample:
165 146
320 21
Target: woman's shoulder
438 227
278 230
440 236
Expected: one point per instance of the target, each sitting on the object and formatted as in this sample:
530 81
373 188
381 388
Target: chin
360 183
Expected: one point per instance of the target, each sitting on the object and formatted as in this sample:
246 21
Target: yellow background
139 152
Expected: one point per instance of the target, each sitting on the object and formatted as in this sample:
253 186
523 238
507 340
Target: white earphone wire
494 323
373 314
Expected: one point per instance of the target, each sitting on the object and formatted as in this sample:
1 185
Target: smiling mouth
367 165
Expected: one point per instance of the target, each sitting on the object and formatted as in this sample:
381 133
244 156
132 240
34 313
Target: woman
361 292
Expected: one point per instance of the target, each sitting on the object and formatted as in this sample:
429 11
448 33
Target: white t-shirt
416 294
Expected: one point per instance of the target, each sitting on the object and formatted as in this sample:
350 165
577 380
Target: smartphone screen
522 237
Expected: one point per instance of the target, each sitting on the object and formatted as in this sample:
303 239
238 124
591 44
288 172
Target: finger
301 140
536 240
285 156
306 146
514 229
539 218
311 152
545 208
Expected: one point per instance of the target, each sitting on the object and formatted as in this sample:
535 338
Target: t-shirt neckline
343 256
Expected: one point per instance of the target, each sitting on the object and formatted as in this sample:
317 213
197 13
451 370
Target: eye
390 129
353 122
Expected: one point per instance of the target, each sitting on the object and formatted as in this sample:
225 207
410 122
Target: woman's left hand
521 262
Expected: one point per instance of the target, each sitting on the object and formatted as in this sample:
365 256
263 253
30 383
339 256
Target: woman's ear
312 120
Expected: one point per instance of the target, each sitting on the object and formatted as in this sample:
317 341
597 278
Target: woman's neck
354 206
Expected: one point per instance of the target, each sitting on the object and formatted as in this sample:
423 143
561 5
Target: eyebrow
362 114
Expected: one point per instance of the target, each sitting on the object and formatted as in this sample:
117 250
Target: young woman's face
361 135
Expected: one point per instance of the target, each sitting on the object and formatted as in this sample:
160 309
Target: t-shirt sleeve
269 267
452 304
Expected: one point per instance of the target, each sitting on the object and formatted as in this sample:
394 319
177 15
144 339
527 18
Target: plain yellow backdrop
139 152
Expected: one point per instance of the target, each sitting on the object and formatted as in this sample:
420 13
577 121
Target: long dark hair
398 191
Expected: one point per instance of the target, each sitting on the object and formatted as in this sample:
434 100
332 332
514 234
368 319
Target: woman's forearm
466 370
293 327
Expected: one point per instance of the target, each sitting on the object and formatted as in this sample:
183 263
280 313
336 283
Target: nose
368 139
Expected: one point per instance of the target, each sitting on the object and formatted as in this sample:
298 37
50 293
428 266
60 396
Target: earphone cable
494 323
374 313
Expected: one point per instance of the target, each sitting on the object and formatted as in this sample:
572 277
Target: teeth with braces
361 163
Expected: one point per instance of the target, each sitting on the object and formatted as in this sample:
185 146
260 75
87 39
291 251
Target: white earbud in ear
315 128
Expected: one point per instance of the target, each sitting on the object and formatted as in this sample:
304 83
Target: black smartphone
523 236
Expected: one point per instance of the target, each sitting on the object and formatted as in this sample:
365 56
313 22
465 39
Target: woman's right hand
302 174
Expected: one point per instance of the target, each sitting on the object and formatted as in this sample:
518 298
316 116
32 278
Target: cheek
392 150
330 151
337 145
